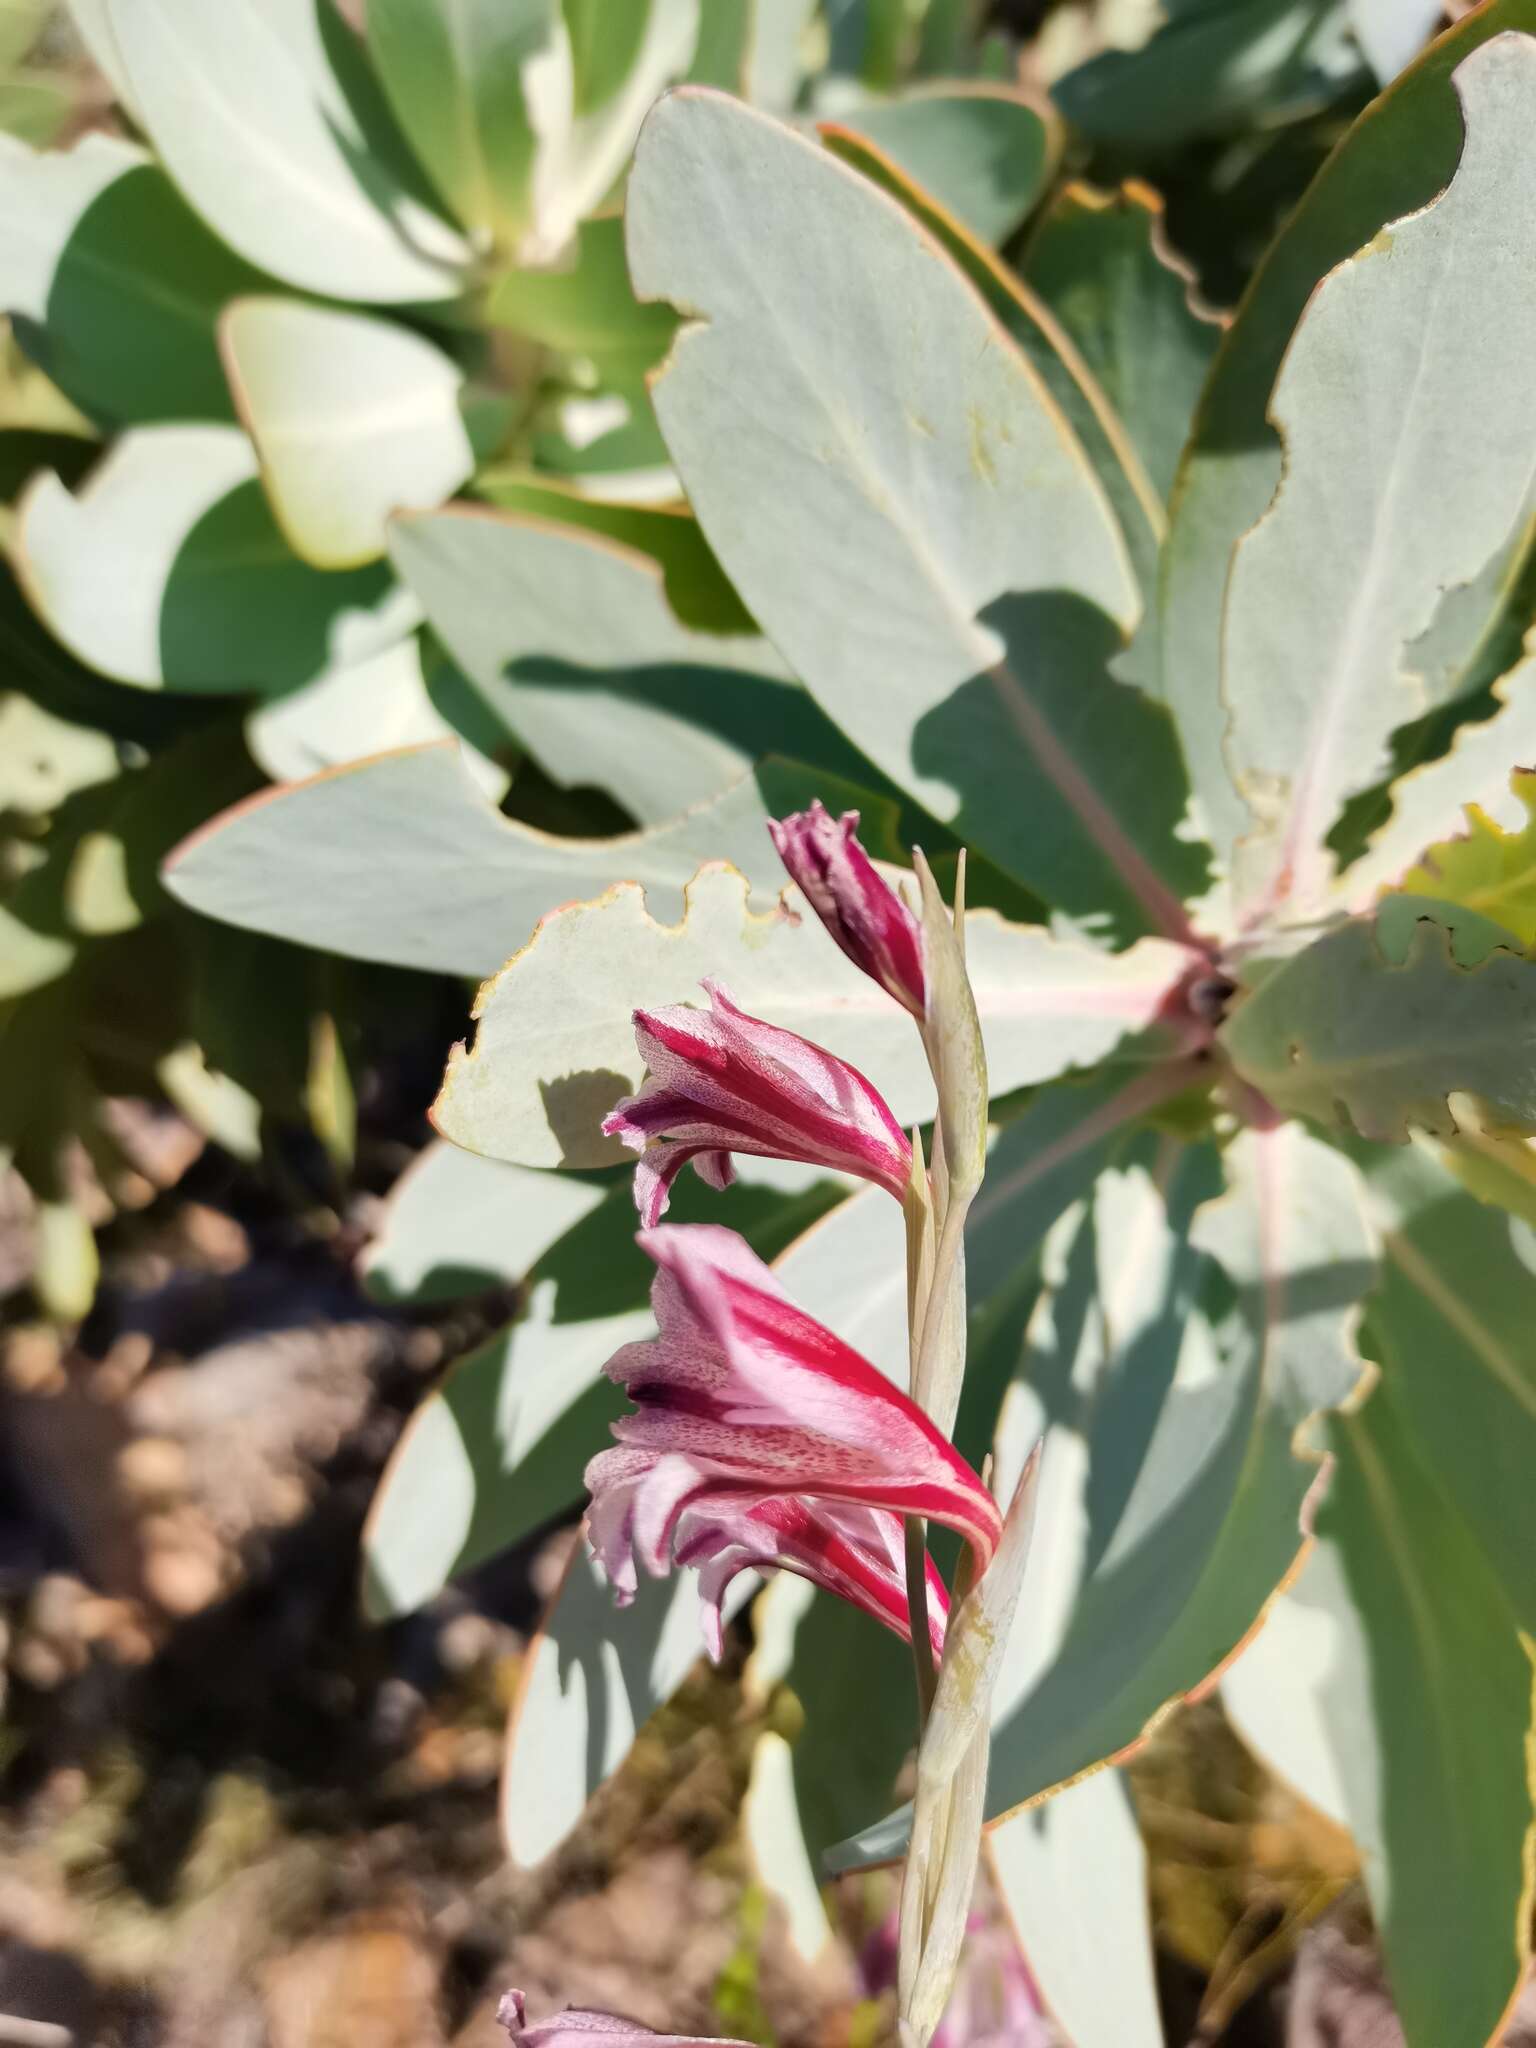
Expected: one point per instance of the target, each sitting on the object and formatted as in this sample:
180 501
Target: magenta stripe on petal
719 1081
760 1438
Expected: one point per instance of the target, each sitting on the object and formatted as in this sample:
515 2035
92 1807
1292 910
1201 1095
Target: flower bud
863 913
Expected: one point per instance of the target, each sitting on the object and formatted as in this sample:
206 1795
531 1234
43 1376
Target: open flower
575 2028
720 1082
762 1439
864 914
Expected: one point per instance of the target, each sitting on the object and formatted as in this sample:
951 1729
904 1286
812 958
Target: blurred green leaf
985 153
264 115
592 113
167 570
115 281
44 759
588 309
353 418
384 702
21 23
1102 264
1451 1324
1486 868
457 75
34 107
1438 1772
1213 66
1073 1879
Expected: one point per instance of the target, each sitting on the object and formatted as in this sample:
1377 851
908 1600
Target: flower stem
917 1608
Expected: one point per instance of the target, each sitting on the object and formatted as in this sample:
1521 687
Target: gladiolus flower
864 914
720 1082
762 1439
576 2028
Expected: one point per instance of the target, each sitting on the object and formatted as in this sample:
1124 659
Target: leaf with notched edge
1378 1023
1488 869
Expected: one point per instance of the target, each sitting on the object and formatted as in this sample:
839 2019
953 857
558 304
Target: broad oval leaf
1183 1343
1452 1323
929 549
460 75
589 1681
264 113
588 117
1072 1875
352 419
493 1453
986 153
1103 264
400 858
555 1042
1379 1023
1400 153
458 1224
1372 523
570 640
384 702
1033 325
1441 1801
115 280
166 570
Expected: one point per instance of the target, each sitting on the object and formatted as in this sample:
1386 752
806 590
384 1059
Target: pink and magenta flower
577 2028
719 1082
762 1440
863 913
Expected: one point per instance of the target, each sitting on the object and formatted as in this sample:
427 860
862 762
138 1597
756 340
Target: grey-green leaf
264 116
1184 1340
555 1039
457 73
1373 523
1397 157
1073 1878
930 548
1103 264
352 417
571 641
1379 1023
1439 1781
986 153
400 858
166 570
115 281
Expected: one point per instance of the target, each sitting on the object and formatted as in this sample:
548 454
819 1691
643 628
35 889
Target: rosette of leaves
1252 1254
326 267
